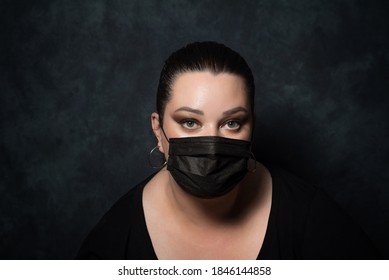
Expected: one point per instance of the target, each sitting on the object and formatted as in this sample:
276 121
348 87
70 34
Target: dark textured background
78 82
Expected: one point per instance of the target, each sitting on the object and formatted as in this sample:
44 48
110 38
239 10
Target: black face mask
208 166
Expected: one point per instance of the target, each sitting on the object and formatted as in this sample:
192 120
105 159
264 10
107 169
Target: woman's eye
232 124
189 124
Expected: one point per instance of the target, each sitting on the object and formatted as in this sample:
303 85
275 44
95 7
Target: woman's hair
202 56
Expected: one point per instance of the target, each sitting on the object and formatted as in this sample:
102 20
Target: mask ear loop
252 156
251 152
255 162
163 131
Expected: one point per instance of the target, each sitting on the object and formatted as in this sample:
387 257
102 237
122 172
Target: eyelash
235 122
186 121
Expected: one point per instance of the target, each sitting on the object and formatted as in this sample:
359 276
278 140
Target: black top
304 223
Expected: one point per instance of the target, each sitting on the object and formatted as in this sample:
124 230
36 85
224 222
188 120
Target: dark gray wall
78 82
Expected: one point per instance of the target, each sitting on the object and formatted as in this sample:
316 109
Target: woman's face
205 104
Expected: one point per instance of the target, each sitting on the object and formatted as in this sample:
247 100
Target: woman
211 199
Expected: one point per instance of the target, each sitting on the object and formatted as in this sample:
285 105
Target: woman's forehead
208 90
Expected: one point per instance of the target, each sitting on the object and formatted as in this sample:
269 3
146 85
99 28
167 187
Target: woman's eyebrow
235 110
188 109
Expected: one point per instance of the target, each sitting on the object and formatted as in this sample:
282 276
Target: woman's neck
207 211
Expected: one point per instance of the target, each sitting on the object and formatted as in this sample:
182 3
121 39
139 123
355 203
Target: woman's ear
156 125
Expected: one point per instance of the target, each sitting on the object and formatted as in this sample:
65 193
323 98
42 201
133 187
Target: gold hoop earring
151 164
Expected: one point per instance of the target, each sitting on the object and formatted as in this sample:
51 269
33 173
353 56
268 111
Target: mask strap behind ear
163 131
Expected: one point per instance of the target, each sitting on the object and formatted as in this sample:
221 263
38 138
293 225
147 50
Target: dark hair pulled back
202 56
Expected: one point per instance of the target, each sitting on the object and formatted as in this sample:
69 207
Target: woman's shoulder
291 189
295 196
107 240
315 221
298 196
